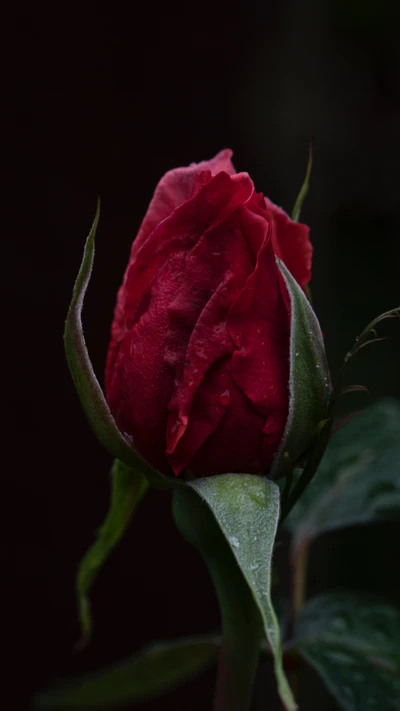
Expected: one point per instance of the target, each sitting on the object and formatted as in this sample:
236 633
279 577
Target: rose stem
241 639
299 564
241 620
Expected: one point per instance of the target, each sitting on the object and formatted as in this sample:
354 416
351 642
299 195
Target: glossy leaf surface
358 480
353 643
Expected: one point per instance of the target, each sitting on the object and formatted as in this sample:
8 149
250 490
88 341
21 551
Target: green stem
241 621
299 565
241 638
299 562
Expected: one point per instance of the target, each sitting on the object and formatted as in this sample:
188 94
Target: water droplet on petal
178 428
175 426
225 398
201 353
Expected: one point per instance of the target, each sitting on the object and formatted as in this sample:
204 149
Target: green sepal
152 672
128 488
309 380
87 386
358 480
299 202
239 536
292 493
304 188
352 641
366 338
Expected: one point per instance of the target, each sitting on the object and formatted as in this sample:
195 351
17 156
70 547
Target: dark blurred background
104 99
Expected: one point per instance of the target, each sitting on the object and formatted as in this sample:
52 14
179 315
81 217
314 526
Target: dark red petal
291 243
209 342
141 383
236 444
175 188
259 326
175 236
141 371
210 412
180 233
118 330
240 189
215 272
211 401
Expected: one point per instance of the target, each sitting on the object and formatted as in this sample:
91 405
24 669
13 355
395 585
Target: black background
103 99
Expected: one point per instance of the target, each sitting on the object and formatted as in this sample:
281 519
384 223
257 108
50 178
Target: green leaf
246 508
353 643
87 386
358 480
309 382
154 671
128 488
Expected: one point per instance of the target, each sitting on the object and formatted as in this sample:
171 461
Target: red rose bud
199 369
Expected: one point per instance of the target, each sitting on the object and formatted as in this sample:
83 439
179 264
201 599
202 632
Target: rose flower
197 370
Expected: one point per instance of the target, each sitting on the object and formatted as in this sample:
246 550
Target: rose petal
175 188
291 243
178 234
140 383
198 365
186 436
139 377
259 326
264 403
217 269
236 443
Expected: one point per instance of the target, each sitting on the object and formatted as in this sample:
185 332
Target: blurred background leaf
153 672
358 480
353 643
